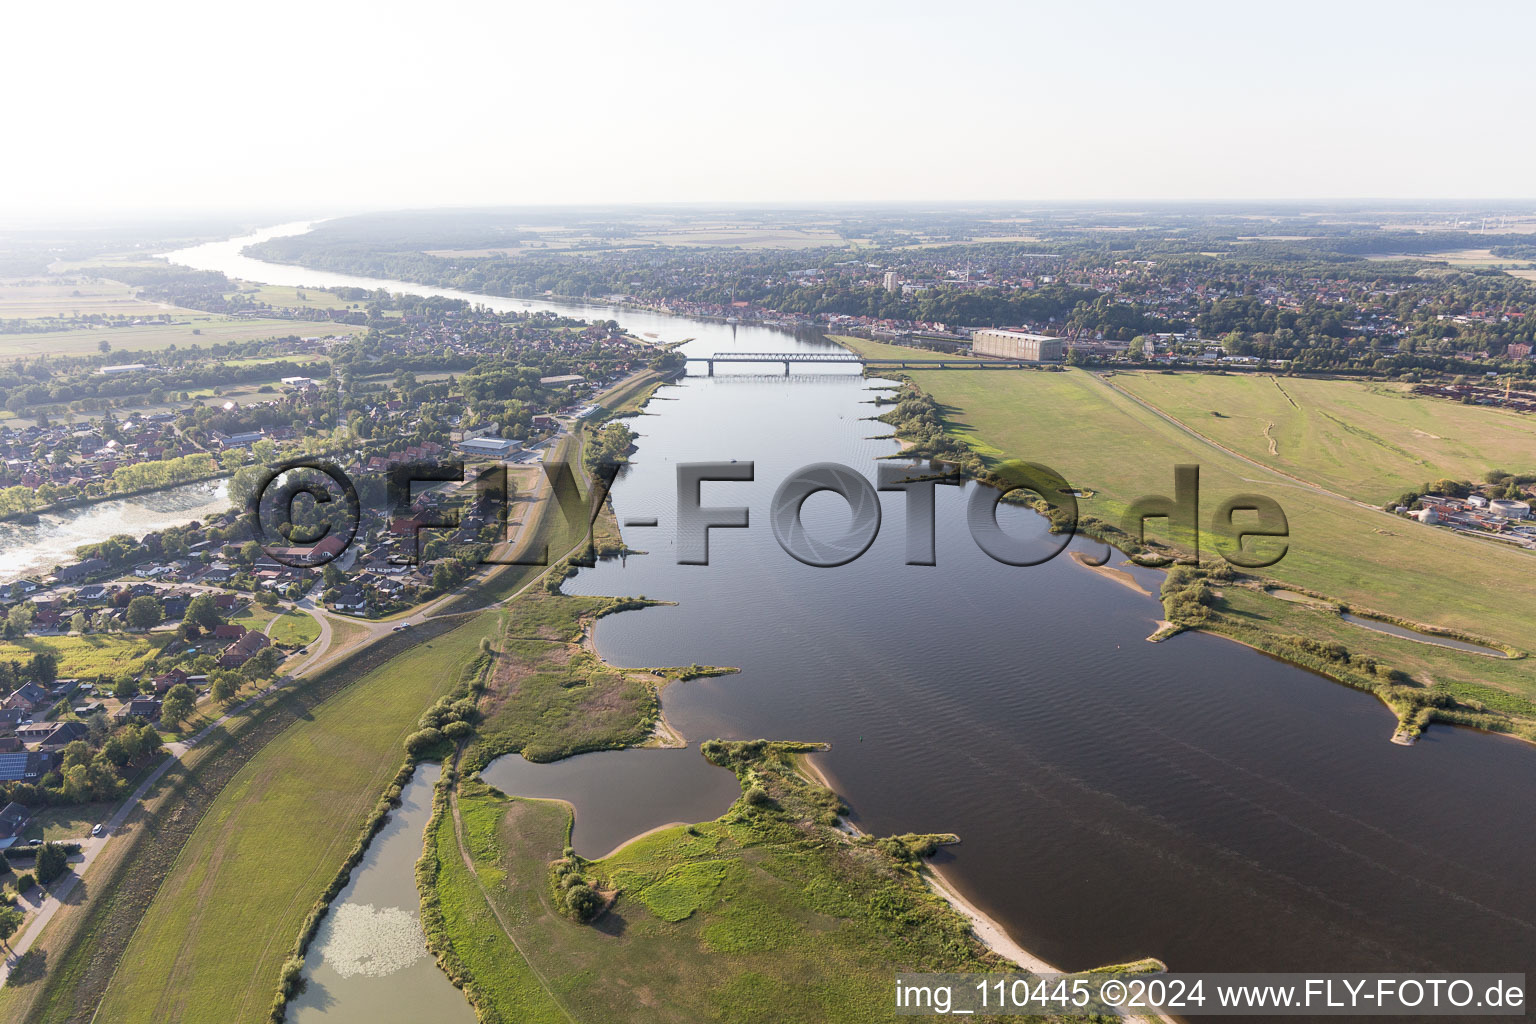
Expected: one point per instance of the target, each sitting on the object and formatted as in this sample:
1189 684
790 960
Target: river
1192 800
369 960
38 547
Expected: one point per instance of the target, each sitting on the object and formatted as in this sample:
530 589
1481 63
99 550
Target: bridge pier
786 367
711 367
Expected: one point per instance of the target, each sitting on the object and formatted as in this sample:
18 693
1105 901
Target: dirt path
469 865
1192 432
322 653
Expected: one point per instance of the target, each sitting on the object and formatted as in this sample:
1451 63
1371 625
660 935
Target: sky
335 106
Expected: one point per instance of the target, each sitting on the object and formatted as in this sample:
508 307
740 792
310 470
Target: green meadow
1100 438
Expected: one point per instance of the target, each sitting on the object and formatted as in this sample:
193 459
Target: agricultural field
1369 440
1472 259
285 296
203 329
210 945
762 914
45 298
1101 439
88 657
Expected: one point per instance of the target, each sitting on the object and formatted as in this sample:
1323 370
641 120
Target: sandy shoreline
1120 576
988 931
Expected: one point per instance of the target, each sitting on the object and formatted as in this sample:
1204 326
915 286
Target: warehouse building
1001 344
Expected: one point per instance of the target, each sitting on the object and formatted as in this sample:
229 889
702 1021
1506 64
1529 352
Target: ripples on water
1192 800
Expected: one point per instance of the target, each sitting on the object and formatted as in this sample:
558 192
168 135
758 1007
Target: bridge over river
874 362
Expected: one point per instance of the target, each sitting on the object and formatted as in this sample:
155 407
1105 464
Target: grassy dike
771 912
1101 438
127 895
64 976
212 944
182 962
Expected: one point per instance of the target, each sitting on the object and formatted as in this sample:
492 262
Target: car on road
401 628
96 831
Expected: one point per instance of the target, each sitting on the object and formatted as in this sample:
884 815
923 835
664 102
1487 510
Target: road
318 655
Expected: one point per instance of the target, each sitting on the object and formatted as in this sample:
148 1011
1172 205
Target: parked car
96 831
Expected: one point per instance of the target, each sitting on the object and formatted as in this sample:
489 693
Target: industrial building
492 446
1037 348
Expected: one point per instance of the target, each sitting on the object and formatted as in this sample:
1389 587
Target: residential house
243 650
27 697
13 821
23 767
63 734
144 708
165 680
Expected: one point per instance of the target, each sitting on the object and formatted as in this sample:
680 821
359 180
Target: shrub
52 861
583 902
25 881
757 796
418 743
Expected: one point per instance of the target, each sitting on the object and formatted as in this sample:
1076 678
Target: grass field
40 298
1101 439
203 329
1463 675
630 396
253 616
73 821
87 657
294 627
1371 441
550 697
210 945
768 913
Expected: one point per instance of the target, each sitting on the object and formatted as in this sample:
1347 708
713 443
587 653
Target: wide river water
1191 800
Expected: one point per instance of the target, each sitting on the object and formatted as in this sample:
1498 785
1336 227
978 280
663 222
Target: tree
583 901
76 752
52 861
261 665
77 622
144 612
10 917
19 619
126 687
44 667
224 687
202 612
178 704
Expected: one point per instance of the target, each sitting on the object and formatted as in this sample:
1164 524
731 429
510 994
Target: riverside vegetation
769 912
1341 549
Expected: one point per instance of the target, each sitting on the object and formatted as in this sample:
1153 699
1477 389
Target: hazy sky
321 105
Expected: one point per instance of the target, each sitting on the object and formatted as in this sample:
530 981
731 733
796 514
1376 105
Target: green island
1118 437
770 911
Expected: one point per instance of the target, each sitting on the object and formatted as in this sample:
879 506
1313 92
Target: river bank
990 932
1048 671
1464 701
29 517
36 548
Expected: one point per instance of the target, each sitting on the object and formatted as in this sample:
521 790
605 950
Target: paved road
318 655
